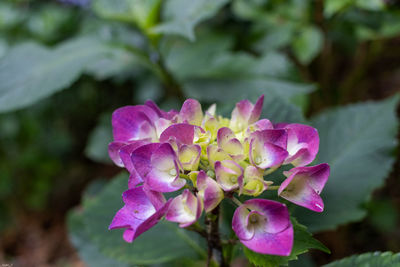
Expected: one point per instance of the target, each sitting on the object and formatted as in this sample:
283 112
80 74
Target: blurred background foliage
317 62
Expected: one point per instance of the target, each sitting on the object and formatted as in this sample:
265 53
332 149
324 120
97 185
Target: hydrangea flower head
204 158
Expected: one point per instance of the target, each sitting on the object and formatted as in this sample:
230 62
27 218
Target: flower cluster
205 158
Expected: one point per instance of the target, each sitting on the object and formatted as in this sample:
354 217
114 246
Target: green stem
273 187
213 238
236 201
266 172
182 175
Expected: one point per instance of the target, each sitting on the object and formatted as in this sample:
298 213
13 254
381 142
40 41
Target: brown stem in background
213 238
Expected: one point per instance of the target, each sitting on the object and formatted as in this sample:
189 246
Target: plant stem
236 201
273 187
269 171
198 229
213 238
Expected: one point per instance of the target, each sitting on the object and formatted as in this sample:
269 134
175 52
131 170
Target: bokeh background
66 65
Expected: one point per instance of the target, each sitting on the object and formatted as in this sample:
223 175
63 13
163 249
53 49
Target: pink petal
141 158
303 143
304 185
276 213
257 109
126 151
113 152
161 113
133 123
134 179
274 244
239 224
276 137
184 209
228 174
191 112
209 190
224 135
266 155
270 233
139 214
183 133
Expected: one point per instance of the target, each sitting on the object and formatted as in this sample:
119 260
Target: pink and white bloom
245 113
132 123
170 115
229 174
268 148
191 112
227 141
181 137
142 210
210 191
253 182
263 124
302 145
215 154
157 164
264 226
183 133
304 184
184 209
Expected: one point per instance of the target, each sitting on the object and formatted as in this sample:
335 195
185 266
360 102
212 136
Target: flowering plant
205 158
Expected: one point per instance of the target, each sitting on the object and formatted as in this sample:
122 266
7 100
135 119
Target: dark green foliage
381 259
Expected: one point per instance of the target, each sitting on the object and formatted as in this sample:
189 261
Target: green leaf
373 5
3 47
165 242
10 15
331 7
307 44
119 63
30 72
143 13
211 73
303 241
357 141
274 37
180 17
50 22
97 147
381 259
185 59
88 252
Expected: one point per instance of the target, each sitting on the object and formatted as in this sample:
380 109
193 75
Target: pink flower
157 164
304 184
302 145
264 226
210 191
229 174
184 209
268 148
199 156
142 210
245 113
